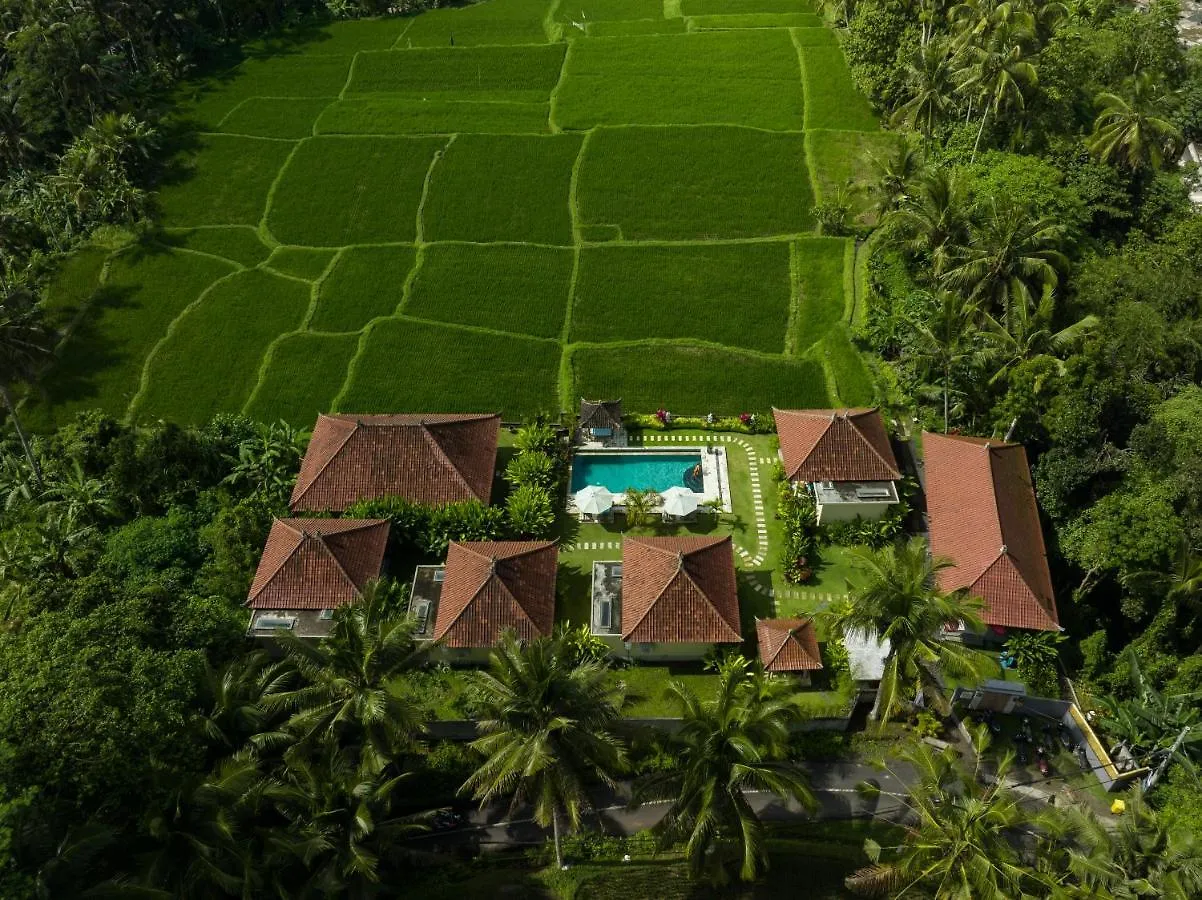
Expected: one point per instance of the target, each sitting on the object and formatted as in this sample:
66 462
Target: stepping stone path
757 496
593 545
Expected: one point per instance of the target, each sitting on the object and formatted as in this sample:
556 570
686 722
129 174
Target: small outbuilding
789 646
601 422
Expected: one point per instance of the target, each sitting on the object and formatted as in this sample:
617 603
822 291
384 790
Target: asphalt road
834 785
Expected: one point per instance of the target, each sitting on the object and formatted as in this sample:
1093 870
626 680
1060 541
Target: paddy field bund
502 206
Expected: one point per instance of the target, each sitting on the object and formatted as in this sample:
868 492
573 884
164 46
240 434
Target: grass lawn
832 100
224 183
520 381
646 688
238 243
223 339
302 374
404 115
509 287
692 183
713 78
695 379
625 293
365 283
351 190
468 202
496 209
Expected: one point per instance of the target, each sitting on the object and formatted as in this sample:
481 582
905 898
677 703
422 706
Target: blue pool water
619 471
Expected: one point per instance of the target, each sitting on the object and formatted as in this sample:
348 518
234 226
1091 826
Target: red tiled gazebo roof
317 563
835 445
983 517
493 585
679 590
424 458
788 645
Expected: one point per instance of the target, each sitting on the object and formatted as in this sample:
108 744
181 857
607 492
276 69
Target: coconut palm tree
345 696
234 697
342 828
933 220
25 345
546 730
897 598
1009 263
1140 855
734 743
1031 337
931 83
1129 133
995 72
892 175
947 340
959 839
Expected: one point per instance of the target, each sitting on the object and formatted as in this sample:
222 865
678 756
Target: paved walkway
835 785
754 463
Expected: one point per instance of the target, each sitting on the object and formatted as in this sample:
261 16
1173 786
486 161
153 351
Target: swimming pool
617 471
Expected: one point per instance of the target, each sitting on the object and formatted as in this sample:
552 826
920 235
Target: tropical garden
1033 268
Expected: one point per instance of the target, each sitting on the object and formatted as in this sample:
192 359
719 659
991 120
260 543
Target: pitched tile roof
600 413
983 517
317 563
425 458
679 589
493 585
835 445
788 645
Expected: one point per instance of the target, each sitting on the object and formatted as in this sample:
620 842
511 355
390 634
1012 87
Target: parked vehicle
1066 737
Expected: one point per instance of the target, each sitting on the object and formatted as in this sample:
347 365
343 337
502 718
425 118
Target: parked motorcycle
1082 757
1020 750
1041 760
1066 737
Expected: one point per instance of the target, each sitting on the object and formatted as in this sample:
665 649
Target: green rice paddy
501 206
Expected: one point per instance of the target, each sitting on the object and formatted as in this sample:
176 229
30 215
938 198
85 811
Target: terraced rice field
499 206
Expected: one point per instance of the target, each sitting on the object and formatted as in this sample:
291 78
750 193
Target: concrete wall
869 511
662 652
456 656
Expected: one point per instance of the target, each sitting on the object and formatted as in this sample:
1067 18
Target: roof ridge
892 467
492 576
683 570
442 454
283 562
1004 555
331 457
320 538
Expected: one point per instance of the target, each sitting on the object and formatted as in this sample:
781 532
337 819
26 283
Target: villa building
424 458
309 568
789 646
670 598
983 517
843 456
484 588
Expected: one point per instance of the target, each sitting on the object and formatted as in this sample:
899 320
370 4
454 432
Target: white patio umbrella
594 500
679 501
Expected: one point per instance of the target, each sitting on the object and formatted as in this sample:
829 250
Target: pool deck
715 474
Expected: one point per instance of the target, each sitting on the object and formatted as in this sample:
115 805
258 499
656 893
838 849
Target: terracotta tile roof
317 563
835 445
679 589
983 517
493 585
600 413
788 645
424 458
